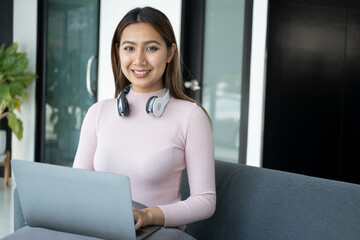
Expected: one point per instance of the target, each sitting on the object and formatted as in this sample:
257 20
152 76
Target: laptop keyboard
139 232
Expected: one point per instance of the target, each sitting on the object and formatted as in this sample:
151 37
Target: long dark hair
172 77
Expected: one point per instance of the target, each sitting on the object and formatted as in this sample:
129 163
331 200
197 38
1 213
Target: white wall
257 83
24 32
111 12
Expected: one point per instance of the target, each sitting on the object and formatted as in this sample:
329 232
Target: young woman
151 131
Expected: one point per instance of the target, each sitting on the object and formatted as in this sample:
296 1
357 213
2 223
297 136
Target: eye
152 49
128 48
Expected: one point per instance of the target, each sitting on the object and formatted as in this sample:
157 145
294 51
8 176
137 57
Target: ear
171 52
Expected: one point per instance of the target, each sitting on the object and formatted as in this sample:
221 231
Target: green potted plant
14 79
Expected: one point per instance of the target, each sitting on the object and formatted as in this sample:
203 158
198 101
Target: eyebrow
146 42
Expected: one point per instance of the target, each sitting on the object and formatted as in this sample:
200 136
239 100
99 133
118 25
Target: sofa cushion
256 203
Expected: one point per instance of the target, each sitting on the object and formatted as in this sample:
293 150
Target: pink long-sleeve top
153 152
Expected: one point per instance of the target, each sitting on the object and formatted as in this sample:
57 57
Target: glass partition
71 69
222 73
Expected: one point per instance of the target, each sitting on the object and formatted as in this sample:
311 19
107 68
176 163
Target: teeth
141 72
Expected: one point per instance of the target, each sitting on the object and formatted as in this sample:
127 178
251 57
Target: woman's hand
148 216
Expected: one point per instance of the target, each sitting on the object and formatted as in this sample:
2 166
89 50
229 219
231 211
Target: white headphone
155 106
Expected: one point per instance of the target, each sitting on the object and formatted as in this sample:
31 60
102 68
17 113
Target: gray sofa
261 204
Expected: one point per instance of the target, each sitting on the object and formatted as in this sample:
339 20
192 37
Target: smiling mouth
141 72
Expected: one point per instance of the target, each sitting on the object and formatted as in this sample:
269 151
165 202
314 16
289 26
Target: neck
140 99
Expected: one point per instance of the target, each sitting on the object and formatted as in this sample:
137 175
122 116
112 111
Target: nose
140 58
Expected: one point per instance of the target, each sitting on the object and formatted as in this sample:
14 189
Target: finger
137 218
136 213
138 224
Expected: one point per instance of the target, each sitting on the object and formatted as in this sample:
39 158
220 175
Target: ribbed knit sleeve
84 157
199 157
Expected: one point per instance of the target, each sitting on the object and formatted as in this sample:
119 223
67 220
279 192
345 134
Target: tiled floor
6 208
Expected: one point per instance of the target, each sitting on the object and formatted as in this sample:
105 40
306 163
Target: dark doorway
312 122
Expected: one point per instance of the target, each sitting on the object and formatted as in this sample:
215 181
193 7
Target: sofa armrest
19 220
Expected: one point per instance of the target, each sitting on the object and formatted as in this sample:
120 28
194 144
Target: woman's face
143 57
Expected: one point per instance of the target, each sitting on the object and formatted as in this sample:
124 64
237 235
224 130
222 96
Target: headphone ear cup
150 105
122 104
126 108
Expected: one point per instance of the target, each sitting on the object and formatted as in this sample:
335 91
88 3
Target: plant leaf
16 88
18 67
11 49
7 63
4 93
17 103
2 50
26 78
16 125
24 96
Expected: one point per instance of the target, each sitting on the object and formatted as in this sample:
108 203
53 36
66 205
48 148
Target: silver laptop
89 203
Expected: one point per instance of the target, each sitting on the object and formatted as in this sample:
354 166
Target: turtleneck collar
140 99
